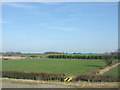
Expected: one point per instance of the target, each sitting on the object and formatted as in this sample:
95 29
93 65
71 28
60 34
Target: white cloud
18 5
63 28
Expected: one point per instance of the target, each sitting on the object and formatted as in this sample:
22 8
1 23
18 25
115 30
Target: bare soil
11 57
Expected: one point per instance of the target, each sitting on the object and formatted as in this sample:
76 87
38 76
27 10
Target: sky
37 27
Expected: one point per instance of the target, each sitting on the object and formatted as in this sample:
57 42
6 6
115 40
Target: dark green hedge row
97 78
74 57
33 75
79 56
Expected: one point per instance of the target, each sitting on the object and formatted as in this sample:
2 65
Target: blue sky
63 27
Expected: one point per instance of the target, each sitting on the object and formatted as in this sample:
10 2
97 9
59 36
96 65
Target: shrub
108 59
97 78
92 77
5 59
33 75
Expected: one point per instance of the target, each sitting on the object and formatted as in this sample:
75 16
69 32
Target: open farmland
114 71
70 66
46 55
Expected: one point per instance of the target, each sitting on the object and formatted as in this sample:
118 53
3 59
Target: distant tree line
11 53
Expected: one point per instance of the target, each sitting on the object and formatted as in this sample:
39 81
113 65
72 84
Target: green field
114 71
46 55
70 66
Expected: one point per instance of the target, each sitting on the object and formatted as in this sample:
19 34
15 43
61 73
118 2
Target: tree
108 58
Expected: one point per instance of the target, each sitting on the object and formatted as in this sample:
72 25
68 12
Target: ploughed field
69 66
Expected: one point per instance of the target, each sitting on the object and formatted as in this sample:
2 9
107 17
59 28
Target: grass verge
79 84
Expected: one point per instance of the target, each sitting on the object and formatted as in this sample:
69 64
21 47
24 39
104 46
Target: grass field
46 55
114 71
70 66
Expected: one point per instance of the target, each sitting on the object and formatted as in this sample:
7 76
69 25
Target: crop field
69 66
114 71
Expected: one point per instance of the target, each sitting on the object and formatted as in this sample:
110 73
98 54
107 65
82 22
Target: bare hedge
33 75
97 78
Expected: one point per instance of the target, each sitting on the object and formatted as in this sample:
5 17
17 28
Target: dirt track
107 68
21 85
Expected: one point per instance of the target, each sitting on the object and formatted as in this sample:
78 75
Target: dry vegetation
79 84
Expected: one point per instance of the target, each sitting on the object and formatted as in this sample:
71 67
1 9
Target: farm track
55 84
102 71
18 85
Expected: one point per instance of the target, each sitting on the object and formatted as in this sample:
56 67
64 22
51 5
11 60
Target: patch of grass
114 71
70 66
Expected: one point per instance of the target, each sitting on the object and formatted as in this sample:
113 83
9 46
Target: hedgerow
97 78
65 56
33 75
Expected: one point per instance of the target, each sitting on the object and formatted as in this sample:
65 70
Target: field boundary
79 84
33 75
102 71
